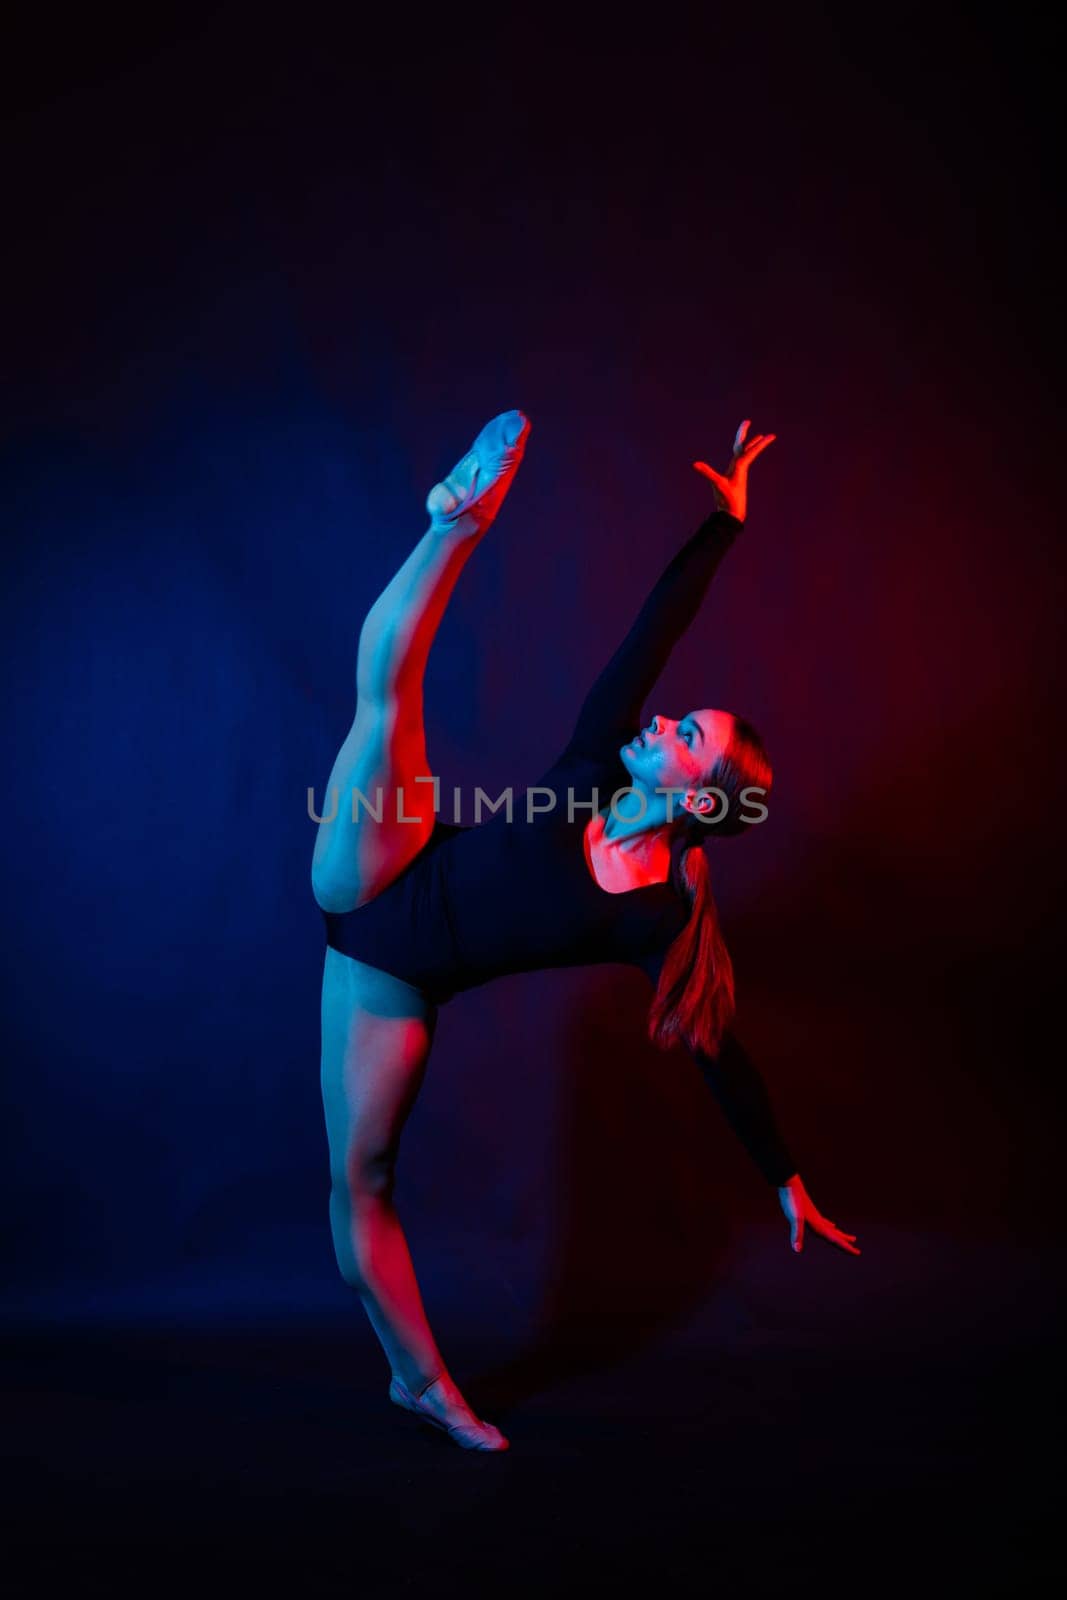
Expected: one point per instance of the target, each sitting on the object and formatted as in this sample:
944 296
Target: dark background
266 280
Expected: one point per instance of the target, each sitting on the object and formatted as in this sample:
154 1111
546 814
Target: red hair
694 999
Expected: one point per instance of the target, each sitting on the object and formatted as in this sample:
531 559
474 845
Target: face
677 753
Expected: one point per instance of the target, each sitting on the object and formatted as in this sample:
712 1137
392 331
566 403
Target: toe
502 440
513 424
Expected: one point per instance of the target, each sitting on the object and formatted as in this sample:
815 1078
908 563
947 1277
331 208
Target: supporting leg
377 1036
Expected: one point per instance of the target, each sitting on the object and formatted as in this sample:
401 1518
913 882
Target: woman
417 909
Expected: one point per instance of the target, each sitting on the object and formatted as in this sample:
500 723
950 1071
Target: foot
441 1404
469 498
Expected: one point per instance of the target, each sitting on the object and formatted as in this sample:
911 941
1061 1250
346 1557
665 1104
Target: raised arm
611 711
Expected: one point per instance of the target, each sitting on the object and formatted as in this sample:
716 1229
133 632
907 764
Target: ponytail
694 999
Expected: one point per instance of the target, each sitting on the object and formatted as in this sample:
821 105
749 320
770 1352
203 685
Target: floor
815 1433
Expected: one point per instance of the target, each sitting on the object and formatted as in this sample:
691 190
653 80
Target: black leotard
502 897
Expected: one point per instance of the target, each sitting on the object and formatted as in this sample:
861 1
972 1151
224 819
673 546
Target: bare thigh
377 1032
379 830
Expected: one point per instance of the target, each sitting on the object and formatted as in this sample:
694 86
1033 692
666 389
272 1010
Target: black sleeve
742 1094
737 1085
611 711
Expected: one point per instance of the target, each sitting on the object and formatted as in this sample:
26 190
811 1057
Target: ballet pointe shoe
473 1435
466 502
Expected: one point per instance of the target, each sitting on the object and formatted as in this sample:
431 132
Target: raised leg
365 840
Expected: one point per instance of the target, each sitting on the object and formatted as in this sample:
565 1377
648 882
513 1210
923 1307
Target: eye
688 737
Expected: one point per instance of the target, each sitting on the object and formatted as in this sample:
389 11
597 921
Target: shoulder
583 771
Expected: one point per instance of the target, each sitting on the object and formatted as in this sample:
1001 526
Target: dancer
418 909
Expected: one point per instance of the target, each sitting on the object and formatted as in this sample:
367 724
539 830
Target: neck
644 842
639 831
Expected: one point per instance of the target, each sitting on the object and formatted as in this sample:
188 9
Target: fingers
797 1234
758 445
742 457
746 451
833 1234
743 448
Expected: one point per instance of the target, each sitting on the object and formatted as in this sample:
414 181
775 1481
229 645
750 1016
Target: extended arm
743 1098
742 1095
611 711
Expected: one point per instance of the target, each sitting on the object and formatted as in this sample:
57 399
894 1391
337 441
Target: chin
631 760
626 755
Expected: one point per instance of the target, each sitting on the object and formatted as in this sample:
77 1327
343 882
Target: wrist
736 517
723 523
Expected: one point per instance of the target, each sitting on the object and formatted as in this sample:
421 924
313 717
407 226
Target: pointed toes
513 425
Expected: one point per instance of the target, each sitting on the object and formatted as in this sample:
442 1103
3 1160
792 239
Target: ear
700 802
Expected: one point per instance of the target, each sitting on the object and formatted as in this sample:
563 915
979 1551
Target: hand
731 490
801 1211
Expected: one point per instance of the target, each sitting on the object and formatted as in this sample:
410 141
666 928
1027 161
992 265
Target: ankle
463 533
418 1387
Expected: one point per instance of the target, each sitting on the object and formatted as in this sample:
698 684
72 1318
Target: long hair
694 999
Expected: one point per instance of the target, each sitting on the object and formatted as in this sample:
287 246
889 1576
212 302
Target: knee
344 1244
368 1175
357 1194
372 1175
